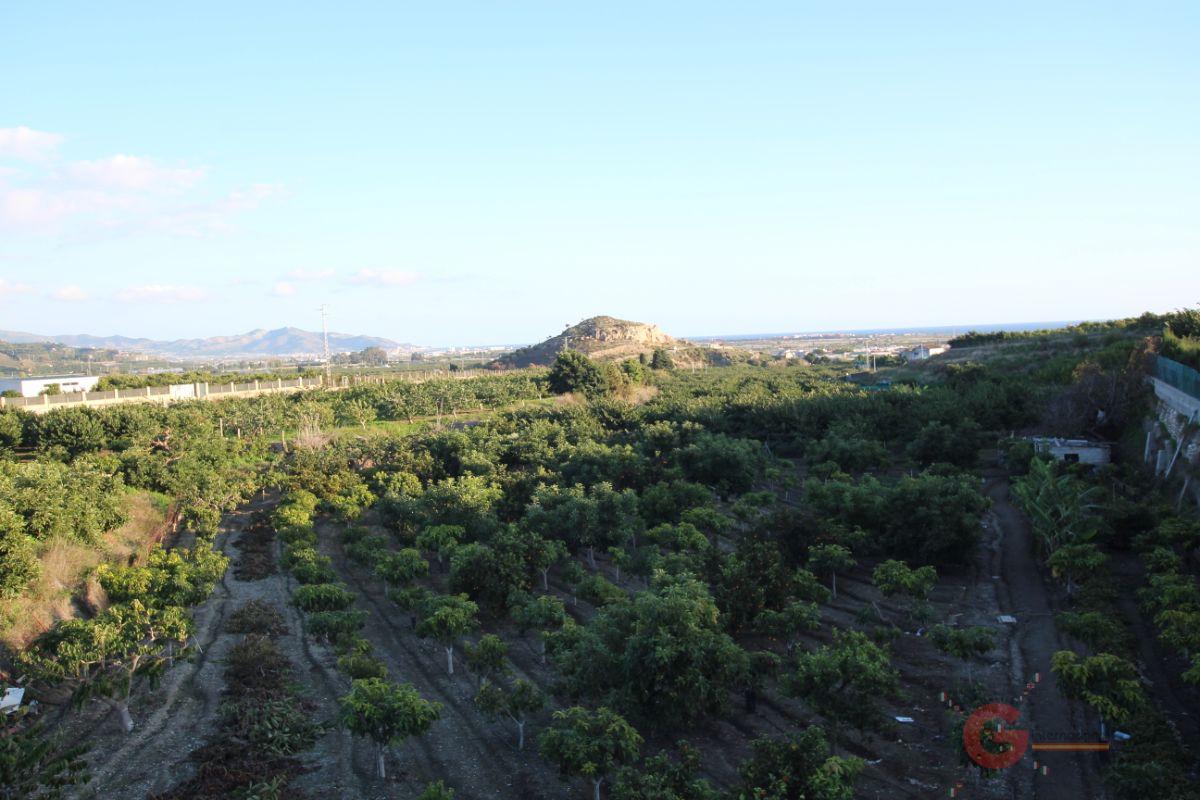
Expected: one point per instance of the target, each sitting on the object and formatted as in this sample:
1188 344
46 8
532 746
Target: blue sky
449 173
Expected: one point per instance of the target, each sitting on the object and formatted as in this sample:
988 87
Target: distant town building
921 352
32 387
1073 451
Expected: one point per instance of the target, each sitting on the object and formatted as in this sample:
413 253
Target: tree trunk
450 659
596 788
123 712
379 763
592 558
520 734
833 584
546 579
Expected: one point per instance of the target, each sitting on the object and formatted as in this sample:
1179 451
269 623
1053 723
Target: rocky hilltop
601 338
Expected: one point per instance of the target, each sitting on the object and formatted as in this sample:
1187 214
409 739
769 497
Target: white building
1073 451
921 352
32 387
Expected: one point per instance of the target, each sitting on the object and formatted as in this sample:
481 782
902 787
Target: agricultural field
617 580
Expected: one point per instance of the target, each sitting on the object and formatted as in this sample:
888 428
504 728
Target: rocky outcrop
601 338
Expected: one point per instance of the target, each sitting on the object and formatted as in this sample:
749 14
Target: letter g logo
993 746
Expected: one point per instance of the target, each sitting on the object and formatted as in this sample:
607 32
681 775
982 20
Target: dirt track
175 718
1021 592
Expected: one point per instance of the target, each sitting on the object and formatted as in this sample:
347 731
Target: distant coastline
929 329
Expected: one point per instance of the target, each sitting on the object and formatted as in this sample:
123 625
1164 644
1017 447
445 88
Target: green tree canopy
590 743
386 713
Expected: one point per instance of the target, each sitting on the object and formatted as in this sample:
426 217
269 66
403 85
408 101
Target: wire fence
200 391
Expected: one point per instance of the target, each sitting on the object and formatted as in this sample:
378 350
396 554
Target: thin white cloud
132 173
311 274
119 195
383 277
8 288
28 144
161 293
40 209
283 289
251 197
216 216
70 293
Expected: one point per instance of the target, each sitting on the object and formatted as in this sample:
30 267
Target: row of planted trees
1080 519
386 712
611 492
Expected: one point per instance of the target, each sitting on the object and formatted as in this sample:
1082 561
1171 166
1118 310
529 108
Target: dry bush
66 574
256 551
637 394
257 616
309 436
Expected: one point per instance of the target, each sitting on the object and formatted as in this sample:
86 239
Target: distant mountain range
278 342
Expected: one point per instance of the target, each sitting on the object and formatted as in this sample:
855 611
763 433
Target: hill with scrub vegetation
606 338
601 338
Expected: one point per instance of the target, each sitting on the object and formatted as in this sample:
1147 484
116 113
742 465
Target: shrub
303 537
256 665
277 727
256 616
599 591
328 625
367 549
322 597
354 533
361 665
319 571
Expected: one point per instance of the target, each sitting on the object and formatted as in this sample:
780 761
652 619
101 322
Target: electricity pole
325 338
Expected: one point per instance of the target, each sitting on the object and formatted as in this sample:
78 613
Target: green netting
1183 378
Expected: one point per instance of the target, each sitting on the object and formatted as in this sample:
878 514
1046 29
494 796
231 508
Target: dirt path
175 718
1021 592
